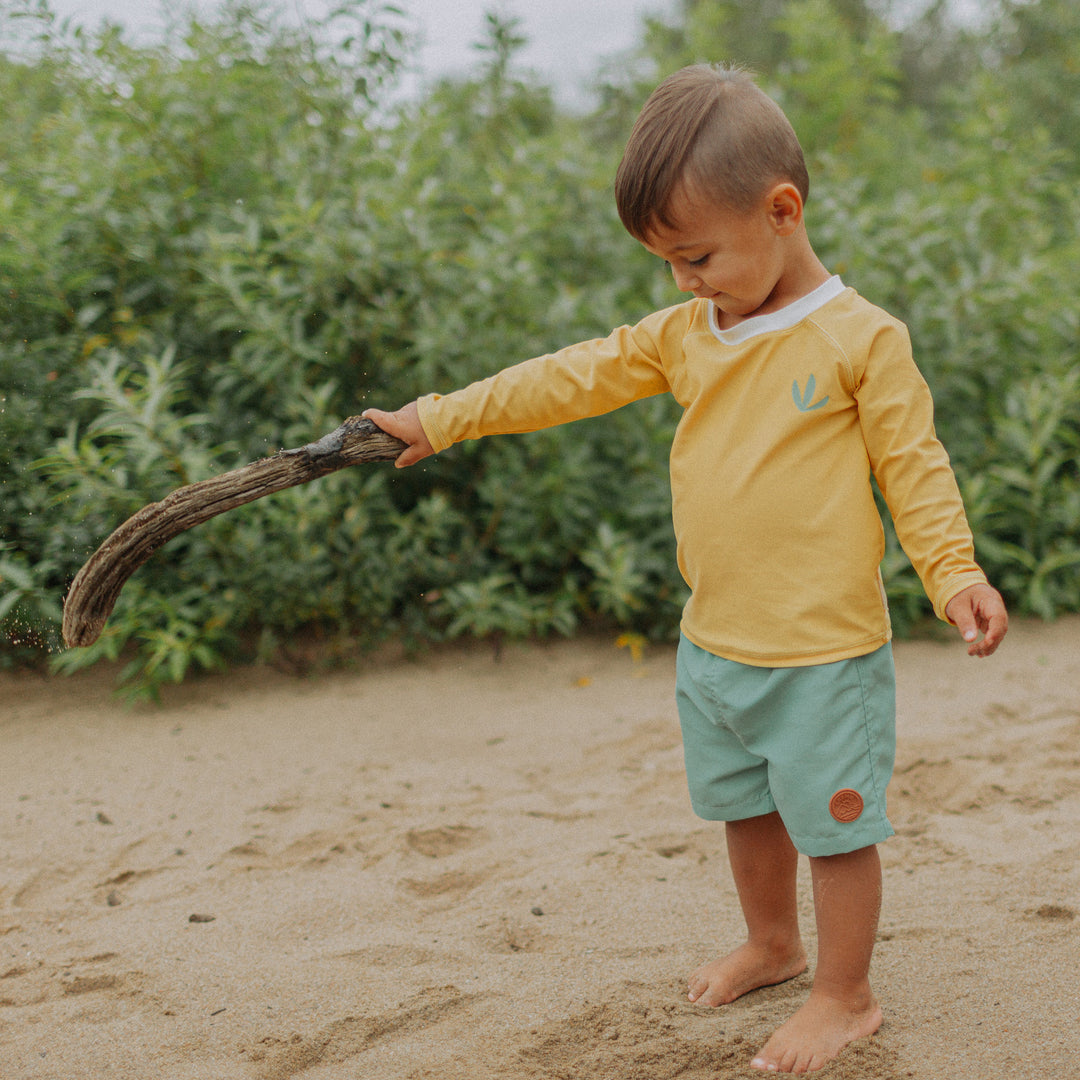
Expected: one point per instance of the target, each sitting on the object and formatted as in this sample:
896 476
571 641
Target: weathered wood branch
94 591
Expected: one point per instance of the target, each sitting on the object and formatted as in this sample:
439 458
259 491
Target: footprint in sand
25 985
444 840
452 884
345 1039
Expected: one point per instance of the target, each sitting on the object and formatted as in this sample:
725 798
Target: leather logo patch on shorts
846 805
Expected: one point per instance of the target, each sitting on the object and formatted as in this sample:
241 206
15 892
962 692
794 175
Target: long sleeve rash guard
786 417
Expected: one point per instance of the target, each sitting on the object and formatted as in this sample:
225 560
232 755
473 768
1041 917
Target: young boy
795 390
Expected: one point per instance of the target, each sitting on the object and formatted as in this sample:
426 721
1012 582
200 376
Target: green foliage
225 242
1026 504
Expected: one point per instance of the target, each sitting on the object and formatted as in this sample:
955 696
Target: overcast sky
567 38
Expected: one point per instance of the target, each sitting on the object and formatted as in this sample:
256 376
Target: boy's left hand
979 608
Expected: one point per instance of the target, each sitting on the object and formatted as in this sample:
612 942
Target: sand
468 869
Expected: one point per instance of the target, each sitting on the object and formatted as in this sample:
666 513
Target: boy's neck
802 274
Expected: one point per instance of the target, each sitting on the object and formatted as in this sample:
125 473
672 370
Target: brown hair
713 128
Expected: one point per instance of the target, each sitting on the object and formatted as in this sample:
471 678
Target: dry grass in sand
459 869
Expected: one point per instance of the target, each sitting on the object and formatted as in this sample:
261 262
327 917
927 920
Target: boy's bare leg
841 1007
764 864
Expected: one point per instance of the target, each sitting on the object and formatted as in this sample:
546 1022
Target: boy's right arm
579 381
404 425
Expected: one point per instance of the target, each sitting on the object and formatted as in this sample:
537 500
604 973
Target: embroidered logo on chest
804 399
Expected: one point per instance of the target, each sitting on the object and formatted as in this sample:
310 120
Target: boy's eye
698 262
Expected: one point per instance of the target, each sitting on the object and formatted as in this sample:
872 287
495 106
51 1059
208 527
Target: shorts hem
707 812
841 844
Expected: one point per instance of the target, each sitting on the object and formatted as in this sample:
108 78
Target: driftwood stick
97 585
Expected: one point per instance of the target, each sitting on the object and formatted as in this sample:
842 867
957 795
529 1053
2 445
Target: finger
409 457
996 628
380 419
966 625
392 424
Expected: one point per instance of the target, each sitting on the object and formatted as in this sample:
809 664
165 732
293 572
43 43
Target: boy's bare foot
748 968
817 1033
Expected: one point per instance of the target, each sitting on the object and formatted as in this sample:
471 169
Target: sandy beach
464 868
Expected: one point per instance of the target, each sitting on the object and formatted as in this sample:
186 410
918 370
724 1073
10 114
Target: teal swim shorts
815 744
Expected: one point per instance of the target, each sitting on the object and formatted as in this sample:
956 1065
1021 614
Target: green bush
226 242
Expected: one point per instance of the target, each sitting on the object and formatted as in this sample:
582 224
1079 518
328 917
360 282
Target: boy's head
710 132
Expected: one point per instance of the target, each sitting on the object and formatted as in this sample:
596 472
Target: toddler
795 391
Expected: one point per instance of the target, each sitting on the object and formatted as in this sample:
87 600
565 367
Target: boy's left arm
979 609
916 478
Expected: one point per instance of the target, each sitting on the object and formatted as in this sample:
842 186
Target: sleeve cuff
425 408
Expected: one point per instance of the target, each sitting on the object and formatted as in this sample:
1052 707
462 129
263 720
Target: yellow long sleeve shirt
785 418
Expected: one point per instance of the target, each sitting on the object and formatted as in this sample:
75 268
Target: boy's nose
685 279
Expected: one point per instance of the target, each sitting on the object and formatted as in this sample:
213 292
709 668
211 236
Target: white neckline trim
783 319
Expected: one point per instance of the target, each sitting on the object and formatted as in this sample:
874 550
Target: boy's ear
784 207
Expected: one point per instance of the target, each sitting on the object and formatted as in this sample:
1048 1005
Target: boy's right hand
404 425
